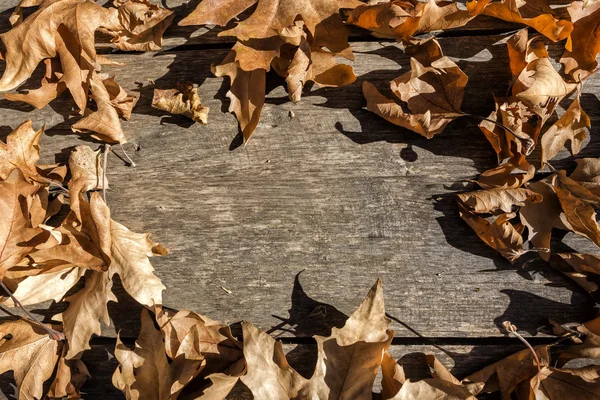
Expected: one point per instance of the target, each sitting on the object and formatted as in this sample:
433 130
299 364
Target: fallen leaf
485 201
501 235
433 93
583 44
246 92
347 361
587 173
183 100
572 125
583 268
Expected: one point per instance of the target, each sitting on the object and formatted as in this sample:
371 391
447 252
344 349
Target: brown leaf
51 87
347 362
87 173
183 100
146 372
512 173
583 44
587 173
30 353
442 385
70 376
432 91
501 235
199 338
43 287
262 28
541 217
590 348
507 373
583 268
556 384
572 125
87 308
485 201
534 13
22 150
141 25
246 92
16 231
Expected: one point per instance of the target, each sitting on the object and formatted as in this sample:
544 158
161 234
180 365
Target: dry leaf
486 201
583 44
86 173
22 150
43 287
347 361
70 376
146 372
556 384
16 231
86 309
183 100
246 93
141 25
432 91
30 353
501 235
506 374
587 174
590 348
583 267
572 125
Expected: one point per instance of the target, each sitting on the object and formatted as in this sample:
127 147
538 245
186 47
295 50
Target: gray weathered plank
334 191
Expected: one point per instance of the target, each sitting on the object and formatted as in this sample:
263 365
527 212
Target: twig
55 335
529 143
107 148
127 155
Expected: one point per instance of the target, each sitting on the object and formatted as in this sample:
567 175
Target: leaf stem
529 143
513 329
127 155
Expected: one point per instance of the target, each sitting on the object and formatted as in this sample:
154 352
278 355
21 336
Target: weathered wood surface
333 191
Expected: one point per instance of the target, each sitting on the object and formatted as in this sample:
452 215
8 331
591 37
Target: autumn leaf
246 92
442 385
146 372
141 25
432 91
583 44
501 235
347 361
571 126
556 383
486 201
87 173
16 231
506 374
584 268
590 348
587 173
30 353
262 28
183 100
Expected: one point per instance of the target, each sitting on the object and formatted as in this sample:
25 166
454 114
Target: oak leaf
183 100
347 361
432 91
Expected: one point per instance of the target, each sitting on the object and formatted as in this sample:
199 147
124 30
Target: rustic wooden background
325 198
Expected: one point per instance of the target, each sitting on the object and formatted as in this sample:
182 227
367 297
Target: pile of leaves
58 241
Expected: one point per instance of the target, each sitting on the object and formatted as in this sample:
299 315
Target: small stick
55 335
127 155
107 148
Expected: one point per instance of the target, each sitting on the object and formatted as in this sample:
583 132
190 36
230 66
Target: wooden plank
335 192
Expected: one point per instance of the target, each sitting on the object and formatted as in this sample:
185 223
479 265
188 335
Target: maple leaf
347 361
433 92
583 44
402 19
16 231
501 235
572 125
141 25
506 374
167 359
487 201
534 13
442 385
183 100
30 353
246 92
262 28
